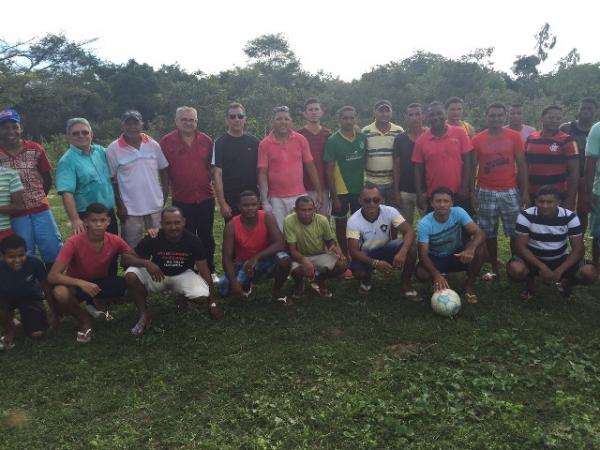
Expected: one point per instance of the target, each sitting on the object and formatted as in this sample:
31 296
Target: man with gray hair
138 168
83 177
189 153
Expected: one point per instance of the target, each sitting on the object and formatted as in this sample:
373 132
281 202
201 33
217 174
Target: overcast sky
344 38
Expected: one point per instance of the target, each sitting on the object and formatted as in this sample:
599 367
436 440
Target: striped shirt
380 153
548 237
547 158
10 182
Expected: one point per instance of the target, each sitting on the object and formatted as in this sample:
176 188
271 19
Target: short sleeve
44 165
39 269
574 226
570 148
465 142
352 230
417 155
396 218
66 252
305 149
144 247
289 230
121 246
111 158
523 224
328 234
160 156
463 217
592 147
329 152
423 231
15 184
66 179
263 155
217 157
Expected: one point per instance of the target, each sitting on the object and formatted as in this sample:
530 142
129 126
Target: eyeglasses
374 200
80 133
236 116
278 109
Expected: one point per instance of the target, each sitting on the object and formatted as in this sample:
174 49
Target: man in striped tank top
253 250
544 233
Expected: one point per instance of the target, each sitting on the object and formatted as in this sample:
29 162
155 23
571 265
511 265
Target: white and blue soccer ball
445 302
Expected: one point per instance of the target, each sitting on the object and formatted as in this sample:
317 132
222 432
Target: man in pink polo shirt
189 153
283 156
442 156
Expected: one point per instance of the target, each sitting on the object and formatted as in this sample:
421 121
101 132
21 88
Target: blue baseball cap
9 114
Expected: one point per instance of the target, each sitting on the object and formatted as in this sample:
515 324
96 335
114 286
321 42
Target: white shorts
322 262
325 208
188 283
282 207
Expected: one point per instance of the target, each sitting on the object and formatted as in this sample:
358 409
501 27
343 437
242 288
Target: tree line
52 78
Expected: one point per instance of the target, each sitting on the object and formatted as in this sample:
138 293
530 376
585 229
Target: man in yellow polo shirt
380 150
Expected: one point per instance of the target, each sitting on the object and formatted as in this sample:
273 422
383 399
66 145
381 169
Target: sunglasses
80 133
374 200
236 116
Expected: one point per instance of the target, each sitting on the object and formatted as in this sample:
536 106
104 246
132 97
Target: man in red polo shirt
553 158
442 156
283 156
316 135
189 153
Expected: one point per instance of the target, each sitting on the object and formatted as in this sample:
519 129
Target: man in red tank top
253 250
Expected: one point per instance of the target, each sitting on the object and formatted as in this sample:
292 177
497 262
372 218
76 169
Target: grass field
358 372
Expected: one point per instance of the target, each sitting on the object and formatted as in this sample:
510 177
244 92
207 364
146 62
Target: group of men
277 196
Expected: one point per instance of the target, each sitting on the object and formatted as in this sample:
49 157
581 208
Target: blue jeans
385 253
39 229
262 271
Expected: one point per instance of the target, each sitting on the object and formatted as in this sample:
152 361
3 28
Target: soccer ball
445 302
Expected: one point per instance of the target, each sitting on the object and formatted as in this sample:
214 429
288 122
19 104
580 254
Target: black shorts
448 263
348 203
552 265
32 310
111 286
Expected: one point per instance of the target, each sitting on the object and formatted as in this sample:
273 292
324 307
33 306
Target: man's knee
587 274
422 274
62 294
517 270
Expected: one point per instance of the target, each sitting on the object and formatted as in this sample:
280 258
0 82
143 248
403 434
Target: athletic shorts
448 263
322 262
111 286
552 265
385 253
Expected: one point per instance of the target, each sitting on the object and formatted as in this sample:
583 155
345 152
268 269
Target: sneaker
4 345
347 275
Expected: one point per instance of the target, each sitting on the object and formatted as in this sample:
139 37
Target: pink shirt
284 162
442 157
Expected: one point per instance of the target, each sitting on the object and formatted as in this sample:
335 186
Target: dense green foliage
52 79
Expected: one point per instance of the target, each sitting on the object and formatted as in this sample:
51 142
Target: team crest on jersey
383 227
554 147
361 145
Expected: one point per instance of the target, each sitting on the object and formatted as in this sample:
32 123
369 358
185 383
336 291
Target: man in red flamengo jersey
553 158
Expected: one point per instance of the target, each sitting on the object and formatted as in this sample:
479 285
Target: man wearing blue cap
35 223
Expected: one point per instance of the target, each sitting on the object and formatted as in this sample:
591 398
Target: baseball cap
381 103
9 114
132 113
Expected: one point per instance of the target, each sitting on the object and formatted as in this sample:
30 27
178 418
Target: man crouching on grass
542 239
170 259
81 271
312 246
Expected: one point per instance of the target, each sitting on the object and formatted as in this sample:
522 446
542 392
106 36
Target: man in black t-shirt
579 130
234 160
404 168
171 256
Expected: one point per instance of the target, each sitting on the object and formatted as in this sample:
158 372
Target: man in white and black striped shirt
541 246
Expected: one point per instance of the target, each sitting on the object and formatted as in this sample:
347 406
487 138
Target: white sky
327 35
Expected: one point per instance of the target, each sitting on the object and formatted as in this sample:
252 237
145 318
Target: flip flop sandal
83 337
471 298
489 276
283 301
325 293
364 288
413 296
5 345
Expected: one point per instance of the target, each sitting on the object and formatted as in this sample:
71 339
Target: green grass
369 372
